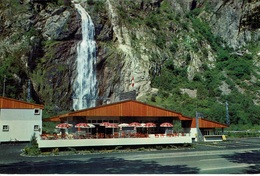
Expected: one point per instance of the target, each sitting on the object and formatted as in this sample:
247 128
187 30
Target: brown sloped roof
9 103
205 123
132 108
129 108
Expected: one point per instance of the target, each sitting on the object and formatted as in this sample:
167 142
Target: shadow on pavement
102 165
251 157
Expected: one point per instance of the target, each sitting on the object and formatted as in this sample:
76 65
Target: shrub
55 151
32 149
158 147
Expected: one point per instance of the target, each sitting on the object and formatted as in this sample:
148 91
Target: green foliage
99 6
49 127
239 68
153 21
230 67
73 150
160 40
32 149
177 128
55 151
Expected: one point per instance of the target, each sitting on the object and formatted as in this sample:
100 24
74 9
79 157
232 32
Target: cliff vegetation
188 56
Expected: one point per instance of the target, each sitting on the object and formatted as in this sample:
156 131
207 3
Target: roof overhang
128 108
9 103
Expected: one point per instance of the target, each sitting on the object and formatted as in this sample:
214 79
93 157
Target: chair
116 135
123 135
132 135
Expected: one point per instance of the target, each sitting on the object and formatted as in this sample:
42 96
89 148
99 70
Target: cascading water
85 86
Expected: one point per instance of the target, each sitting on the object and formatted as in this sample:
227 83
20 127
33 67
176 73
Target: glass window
37 111
36 127
5 128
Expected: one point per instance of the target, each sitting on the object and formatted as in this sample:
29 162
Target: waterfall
85 85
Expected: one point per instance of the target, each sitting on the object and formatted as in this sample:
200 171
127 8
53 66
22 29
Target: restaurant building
112 125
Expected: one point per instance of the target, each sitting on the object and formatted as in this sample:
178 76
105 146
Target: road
240 156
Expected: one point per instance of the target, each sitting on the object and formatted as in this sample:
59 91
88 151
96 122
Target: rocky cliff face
134 39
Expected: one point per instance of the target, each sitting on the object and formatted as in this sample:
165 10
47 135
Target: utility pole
4 86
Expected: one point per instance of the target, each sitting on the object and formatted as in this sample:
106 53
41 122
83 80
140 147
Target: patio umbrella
166 124
149 124
64 126
84 125
142 124
111 125
104 124
123 125
135 124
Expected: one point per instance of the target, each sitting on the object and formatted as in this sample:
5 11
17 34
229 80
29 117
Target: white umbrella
124 125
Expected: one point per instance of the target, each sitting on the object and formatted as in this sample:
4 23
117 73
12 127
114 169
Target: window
37 111
36 128
207 132
5 128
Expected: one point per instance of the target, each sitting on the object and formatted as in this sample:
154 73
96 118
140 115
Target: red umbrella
111 125
166 124
105 124
135 124
84 125
149 124
64 125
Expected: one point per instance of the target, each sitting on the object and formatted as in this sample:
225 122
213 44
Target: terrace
112 134
148 139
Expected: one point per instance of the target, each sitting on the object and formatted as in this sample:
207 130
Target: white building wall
21 124
193 132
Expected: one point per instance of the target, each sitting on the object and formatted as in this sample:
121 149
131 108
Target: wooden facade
205 123
132 108
9 103
128 108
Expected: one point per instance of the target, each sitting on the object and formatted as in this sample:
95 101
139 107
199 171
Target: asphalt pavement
235 156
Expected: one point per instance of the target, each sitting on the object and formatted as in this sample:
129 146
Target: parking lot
227 157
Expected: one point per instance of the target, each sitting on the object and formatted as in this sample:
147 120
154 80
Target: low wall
112 141
213 138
